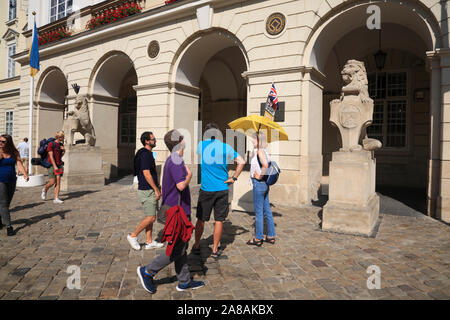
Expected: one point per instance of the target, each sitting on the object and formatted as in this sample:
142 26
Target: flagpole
30 132
36 179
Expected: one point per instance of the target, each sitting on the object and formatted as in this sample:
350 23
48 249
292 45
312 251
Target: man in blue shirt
215 157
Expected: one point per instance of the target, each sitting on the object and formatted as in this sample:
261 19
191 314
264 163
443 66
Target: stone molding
130 25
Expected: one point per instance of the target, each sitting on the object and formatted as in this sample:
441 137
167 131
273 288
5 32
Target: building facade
173 65
13 21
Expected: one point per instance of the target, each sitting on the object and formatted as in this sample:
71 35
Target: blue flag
34 53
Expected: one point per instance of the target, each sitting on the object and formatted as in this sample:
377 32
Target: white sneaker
57 200
153 245
43 194
133 242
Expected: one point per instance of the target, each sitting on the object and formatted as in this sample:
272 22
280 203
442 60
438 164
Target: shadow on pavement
27 206
78 194
197 262
36 219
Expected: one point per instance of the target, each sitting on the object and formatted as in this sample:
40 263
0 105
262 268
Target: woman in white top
261 192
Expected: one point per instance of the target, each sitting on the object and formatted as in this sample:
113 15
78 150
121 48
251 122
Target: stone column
105 119
311 135
153 114
443 202
434 163
184 118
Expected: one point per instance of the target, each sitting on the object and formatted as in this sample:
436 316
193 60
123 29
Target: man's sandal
255 242
270 240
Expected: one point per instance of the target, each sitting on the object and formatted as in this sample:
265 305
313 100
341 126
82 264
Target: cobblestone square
89 231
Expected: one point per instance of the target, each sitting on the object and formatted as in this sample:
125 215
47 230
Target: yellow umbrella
258 123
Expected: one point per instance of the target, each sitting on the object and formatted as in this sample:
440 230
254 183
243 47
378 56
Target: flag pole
30 132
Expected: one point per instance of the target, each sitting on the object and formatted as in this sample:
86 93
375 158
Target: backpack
272 172
42 151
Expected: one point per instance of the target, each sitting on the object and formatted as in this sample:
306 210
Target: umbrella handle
257 137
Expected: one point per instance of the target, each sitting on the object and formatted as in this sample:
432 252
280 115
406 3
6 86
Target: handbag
161 214
272 173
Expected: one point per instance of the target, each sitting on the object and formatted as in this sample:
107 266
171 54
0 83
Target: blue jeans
262 209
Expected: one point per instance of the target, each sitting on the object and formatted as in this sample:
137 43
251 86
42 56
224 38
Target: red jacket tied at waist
177 225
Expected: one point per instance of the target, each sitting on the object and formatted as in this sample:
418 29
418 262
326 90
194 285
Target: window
389 92
127 111
59 9
12 9
9 123
11 64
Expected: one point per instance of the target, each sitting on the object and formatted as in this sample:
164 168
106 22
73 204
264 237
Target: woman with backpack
9 157
55 151
258 165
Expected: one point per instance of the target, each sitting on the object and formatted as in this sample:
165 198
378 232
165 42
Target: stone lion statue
354 76
79 121
355 80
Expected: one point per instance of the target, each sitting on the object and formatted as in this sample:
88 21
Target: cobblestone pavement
89 230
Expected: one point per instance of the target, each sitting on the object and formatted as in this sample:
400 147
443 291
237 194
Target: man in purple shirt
176 172
175 183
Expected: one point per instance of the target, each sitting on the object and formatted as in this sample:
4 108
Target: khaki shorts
51 173
25 163
148 201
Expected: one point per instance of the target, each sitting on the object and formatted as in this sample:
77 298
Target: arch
50 97
108 73
341 20
51 87
192 56
113 106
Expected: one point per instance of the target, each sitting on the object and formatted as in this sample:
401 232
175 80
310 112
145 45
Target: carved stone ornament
353 112
153 49
275 24
79 121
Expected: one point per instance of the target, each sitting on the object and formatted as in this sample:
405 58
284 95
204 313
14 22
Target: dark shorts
209 200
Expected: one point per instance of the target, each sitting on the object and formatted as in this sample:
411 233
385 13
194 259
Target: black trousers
6 194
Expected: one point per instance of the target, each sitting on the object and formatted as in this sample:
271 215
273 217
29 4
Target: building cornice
439 52
10 79
270 72
127 25
10 93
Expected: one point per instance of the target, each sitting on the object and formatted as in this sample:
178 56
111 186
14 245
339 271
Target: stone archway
208 85
50 97
322 53
113 107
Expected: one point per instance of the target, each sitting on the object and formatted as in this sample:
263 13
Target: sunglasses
2 141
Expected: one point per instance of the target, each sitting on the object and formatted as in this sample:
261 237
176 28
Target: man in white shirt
24 150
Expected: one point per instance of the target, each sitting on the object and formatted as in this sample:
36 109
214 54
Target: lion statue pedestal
353 205
82 162
82 168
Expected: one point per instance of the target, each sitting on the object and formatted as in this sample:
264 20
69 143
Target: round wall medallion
275 23
153 49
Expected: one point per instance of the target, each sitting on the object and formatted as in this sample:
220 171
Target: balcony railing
117 11
60 32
